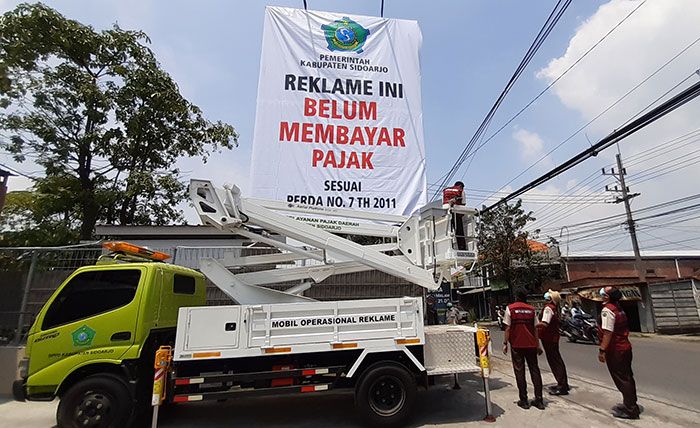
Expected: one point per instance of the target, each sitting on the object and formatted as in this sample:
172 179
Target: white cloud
641 45
531 147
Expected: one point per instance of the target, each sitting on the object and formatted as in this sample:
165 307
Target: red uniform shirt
453 194
522 326
620 332
551 332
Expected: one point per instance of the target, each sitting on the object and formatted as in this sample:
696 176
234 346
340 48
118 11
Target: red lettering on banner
398 137
316 156
343 159
371 132
368 110
353 161
307 130
288 133
342 135
329 109
367 160
357 137
324 133
384 137
339 134
309 107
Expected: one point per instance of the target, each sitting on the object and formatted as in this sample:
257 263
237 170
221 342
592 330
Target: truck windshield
91 293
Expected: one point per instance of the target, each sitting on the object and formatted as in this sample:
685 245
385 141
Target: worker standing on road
452 314
521 332
616 352
549 335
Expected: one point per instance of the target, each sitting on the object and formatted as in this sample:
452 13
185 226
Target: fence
676 306
29 276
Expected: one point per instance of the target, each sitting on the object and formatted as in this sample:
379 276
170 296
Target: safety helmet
449 305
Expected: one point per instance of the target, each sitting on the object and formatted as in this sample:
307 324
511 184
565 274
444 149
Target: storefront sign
629 292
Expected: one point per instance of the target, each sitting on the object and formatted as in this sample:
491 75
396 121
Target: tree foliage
503 244
31 218
99 114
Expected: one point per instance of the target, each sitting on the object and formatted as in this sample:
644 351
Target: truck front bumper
18 391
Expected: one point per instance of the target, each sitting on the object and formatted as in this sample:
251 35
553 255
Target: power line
542 35
537 97
18 172
612 138
549 213
640 210
637 86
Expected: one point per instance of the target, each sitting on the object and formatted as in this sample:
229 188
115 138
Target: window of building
183 284
91 293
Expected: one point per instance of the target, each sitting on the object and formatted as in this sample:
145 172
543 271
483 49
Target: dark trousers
459 232
620 367
519 357
556 364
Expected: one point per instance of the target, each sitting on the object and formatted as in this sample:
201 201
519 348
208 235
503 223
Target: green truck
93 343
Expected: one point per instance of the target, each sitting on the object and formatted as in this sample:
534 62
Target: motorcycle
582 328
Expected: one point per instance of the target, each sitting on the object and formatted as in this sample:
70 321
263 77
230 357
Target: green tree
503 244
99 114
31 218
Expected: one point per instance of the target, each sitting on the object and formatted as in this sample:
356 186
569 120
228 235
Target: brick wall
656 269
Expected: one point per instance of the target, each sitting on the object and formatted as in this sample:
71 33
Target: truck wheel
385 395
97 401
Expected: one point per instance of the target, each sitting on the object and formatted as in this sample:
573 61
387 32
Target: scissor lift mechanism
422 249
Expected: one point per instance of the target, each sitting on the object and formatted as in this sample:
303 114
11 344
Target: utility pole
624 196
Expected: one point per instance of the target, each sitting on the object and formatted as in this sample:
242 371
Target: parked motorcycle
582 328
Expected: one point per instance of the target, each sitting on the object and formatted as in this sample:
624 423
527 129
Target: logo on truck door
83 336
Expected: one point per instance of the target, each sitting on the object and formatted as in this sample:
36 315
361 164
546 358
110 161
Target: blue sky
470 49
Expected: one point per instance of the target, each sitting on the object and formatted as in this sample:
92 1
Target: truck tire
100 401
385 395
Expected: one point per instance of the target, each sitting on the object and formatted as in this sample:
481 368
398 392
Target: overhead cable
542 35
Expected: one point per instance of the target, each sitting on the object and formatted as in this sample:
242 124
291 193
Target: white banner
339 120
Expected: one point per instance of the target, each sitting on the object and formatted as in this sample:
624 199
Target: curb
676 337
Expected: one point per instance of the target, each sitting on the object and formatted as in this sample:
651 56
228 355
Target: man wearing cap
549 335
521 332
616 352
452 314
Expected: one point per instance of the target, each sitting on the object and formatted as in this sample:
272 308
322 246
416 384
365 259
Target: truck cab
100 330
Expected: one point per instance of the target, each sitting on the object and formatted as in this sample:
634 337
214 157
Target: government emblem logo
345 35
83 336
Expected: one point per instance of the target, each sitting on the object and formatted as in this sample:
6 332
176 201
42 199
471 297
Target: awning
629 293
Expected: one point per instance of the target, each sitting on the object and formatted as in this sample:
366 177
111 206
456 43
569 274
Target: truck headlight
23 368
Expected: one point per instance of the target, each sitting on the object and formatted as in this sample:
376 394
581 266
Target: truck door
93 316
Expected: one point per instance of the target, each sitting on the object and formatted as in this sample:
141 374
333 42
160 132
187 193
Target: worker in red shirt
455 195
616 352
549 335
521 332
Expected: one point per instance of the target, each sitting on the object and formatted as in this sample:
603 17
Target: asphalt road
664 366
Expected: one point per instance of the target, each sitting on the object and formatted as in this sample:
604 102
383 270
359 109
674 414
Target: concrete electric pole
624 196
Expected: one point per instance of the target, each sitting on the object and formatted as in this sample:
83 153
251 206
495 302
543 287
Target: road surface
663 366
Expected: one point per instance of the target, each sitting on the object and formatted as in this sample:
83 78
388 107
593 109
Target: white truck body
280 341
209 332
376 325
